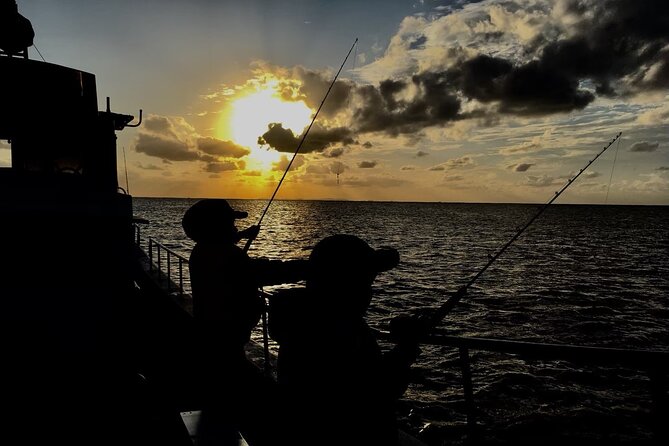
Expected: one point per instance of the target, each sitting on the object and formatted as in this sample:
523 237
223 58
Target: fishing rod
299 146
436 317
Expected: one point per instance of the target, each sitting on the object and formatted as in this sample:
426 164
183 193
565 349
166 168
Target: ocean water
581 274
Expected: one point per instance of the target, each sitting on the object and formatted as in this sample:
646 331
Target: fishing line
39 52
611 177
299 146
436 317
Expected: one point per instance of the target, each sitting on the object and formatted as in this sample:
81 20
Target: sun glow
251 115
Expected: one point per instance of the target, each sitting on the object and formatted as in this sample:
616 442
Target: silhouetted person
16 32
226 307
340 389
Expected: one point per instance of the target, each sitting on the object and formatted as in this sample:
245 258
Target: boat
89 350
96 320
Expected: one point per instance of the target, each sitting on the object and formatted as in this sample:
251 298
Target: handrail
655 363
162 251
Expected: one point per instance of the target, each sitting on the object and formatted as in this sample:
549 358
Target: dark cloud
454 163
620 45
367 145
663 168
318 139
408 168
338 167
450 178
529 89
168 149
644 146
367 164
385 110
149 166
421 154
334 153
158 124
224 166
521 167
312 88
219 147
282 164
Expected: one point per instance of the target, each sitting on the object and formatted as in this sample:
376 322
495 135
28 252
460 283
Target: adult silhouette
339 387
16 32
226 307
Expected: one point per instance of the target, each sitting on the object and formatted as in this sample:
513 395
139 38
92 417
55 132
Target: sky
454 101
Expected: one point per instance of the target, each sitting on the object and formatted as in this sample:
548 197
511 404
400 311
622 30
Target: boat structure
96 321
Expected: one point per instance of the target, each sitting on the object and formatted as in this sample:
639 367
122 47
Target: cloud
333 153
591 174
454 163
149 166
527 57
317 169
224 166
376 181
540 181
252 173
644 146
170 149
222 148
453 178
409 167
367 164
520 167
338 167
367 145
421 154
658 115
282 164
318 139
159 124
663 168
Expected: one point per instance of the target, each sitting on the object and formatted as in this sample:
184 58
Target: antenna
125 164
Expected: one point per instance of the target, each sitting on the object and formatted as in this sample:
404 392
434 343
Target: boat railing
655 364
167 265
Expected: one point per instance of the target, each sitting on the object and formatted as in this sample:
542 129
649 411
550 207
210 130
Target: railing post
469 392
138 237
181 275
658 391
150 254
169 270
160 270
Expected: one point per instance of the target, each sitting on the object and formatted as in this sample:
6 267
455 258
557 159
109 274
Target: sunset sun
251 115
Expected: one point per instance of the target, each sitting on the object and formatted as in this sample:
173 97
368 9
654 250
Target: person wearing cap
337 383
226 307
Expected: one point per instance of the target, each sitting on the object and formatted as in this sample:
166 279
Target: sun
251 114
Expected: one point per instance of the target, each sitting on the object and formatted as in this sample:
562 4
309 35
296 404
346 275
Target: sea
586 275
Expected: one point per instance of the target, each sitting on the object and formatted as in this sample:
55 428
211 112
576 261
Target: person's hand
250 233
409 328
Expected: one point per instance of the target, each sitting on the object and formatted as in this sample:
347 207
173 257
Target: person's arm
275 272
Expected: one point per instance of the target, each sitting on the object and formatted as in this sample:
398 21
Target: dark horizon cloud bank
574 52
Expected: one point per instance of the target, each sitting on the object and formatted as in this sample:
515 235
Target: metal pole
468 391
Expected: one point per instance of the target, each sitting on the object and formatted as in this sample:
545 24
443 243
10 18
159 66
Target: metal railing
165 263
654 363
